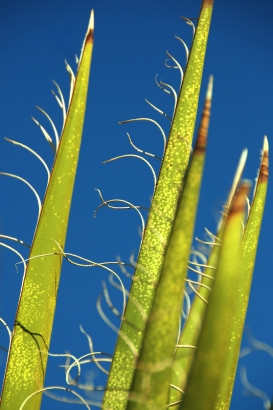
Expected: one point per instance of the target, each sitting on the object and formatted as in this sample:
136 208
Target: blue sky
129 50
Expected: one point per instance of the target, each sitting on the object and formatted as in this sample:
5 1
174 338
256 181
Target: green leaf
27 357
245 270
153 368
160 220
190 333
216 335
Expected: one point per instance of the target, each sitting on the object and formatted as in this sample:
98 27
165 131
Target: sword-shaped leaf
217 332
245 270
27 357
151 382
160 220
190 333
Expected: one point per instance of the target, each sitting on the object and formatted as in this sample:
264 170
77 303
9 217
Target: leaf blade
190 334
216 334
246 267
163 324
160 217
26 365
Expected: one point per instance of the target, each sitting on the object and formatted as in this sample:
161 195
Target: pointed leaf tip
210 87
88 36
243 157
266 145
239 202
91 21
264 169
201 140
238 175
90 29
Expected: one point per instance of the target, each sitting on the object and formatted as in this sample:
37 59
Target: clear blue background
130 43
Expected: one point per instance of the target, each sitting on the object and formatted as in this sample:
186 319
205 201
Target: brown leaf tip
238 204
201 141
264 169
89 36
90 30
207 3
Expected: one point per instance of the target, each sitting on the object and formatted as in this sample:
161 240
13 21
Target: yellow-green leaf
216 334
160 219
245 270
27 357
162 328
190 333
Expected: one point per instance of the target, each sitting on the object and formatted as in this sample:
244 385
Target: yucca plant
167 353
